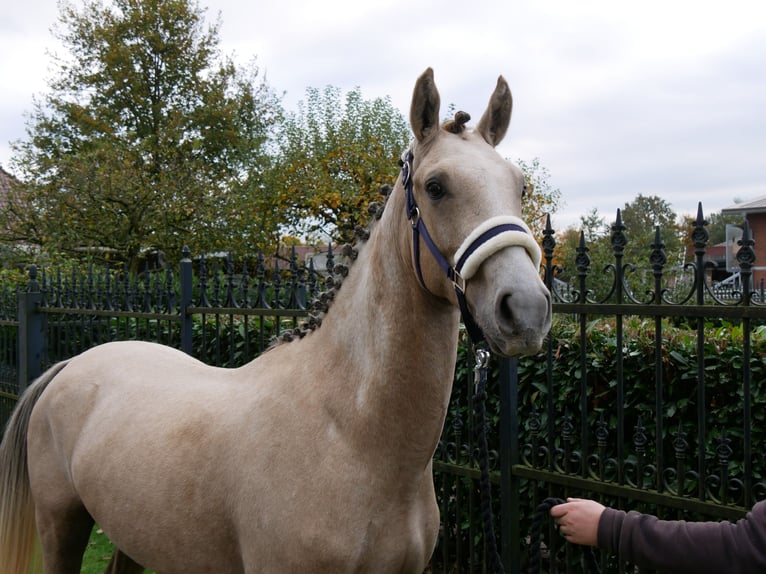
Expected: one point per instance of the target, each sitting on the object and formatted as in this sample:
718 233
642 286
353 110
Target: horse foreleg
123 564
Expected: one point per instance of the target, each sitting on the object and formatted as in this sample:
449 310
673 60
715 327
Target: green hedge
723 374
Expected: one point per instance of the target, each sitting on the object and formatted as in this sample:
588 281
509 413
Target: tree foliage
145 137
640 219
334 156
593 234
149 138
541 197
717 223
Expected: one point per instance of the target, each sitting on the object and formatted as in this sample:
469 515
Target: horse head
464 205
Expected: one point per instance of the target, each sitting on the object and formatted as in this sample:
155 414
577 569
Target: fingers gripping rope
534 532
543 510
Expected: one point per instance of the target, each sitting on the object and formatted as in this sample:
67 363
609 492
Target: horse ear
494 123
424 111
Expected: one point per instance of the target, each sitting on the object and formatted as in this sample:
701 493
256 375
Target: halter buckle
457 280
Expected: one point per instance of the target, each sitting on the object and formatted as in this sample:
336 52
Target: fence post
186 301
31 330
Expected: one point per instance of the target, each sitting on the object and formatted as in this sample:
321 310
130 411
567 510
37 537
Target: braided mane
320 305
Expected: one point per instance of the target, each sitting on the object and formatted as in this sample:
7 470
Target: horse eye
434 189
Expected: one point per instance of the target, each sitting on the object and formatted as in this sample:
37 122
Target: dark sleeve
678 546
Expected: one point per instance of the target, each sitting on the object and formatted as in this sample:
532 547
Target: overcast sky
616 99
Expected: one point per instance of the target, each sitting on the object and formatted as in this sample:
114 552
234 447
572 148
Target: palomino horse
316 456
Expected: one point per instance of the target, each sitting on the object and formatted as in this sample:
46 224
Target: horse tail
18 535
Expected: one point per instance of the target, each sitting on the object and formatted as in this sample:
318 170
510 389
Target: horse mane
320 305
457 125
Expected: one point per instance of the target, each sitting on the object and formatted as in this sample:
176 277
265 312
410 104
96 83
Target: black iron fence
206 308
644 397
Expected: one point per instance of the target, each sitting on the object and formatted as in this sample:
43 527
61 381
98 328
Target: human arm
669 545
680 546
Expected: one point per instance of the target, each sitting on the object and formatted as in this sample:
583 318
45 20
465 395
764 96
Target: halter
490 236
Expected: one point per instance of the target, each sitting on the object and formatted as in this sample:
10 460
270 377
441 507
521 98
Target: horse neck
394 343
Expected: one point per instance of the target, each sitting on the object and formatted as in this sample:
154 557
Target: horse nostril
521 311
506 309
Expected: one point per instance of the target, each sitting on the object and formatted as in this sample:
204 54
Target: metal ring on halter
414 217
406 169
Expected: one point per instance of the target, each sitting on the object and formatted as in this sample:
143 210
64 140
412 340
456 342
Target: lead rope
480 411
535 554
485 484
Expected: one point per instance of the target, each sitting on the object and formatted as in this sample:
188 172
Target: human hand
578 520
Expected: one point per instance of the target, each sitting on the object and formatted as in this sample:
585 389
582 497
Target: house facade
754 213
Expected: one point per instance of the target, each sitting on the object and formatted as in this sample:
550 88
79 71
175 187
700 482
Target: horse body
316 456
258 468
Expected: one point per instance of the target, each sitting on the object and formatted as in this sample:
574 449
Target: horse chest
318 547
347 524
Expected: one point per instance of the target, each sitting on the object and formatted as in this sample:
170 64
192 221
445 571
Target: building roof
5 185
5 181
757 205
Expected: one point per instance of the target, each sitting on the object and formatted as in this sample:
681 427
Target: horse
316 455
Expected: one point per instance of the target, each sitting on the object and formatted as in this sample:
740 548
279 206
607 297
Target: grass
98 553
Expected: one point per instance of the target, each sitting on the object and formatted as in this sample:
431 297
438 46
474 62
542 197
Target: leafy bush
593 368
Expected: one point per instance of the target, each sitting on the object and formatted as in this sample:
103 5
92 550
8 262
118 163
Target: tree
540 197
641 217
335 154
717 223
148 137
594 226
595 233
